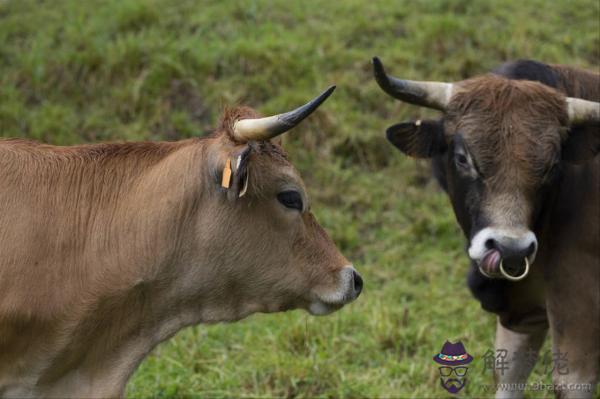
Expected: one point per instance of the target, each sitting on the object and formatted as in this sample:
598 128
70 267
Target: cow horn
582 110
271 126
427 94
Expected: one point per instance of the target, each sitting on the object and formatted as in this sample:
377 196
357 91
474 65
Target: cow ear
235 175
582 144
419 139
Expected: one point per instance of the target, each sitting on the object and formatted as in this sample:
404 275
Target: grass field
87 71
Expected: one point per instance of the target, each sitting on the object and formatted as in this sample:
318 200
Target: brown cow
516 152
107 250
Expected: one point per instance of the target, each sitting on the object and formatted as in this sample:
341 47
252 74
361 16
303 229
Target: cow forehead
512 153
510 127
492 101
270 163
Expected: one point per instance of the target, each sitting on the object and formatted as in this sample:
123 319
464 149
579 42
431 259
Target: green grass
86 71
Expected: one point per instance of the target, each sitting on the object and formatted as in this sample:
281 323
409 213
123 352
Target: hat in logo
453 355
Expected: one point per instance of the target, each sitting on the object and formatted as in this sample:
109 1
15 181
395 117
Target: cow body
562 291
524 182
564 288
108 250
89 234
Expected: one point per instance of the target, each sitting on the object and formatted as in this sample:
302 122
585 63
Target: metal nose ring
514 278
484 273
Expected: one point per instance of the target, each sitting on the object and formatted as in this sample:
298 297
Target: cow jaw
348 288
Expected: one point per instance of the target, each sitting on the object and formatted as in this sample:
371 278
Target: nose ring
514 278
484 273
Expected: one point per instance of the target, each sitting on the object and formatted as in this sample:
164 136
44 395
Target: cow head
498 149
260 247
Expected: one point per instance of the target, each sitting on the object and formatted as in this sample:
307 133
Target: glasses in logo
447 371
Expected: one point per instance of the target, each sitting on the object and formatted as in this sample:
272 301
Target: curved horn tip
377 62
323 96
378 69
382 78
434 95
271 126
292 118
330 89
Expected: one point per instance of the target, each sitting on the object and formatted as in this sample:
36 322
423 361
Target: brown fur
578 83
515 131
109 249
510 162
525 123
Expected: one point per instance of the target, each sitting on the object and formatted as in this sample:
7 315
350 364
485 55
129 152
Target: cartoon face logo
453 359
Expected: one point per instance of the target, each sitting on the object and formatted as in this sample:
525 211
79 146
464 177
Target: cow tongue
491 262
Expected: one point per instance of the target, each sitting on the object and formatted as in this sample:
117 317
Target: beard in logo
453 385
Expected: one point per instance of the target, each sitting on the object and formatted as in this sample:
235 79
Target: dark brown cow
107 250
516 151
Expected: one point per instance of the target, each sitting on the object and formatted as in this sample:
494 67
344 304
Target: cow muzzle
348 288
503 253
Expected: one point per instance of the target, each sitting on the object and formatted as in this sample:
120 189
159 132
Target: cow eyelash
461 160
291 199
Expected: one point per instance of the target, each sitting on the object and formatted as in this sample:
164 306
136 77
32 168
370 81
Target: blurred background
74 71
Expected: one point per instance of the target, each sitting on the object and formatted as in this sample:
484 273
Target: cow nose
358 283
515 255
513 250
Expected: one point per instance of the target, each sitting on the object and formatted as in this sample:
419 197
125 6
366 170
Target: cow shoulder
577 82
529 70
570 80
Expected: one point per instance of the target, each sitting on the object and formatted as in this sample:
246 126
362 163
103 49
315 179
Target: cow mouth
492 265
348 288
320 308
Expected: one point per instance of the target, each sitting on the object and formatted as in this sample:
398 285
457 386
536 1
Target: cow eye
461 160
290 199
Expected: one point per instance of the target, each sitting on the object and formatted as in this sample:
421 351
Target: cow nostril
358 283
490 243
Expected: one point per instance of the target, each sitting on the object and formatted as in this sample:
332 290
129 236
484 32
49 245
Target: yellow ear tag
226 181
